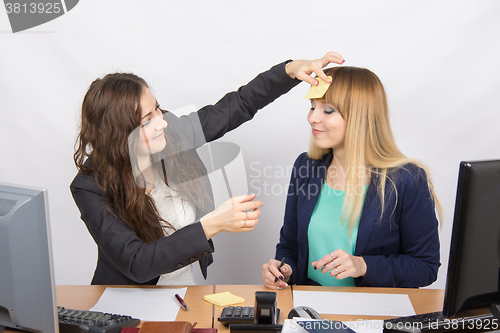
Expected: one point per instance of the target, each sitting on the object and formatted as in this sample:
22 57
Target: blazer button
178 266
206 254
192 260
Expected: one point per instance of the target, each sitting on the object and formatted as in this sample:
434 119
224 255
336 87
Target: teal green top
326 233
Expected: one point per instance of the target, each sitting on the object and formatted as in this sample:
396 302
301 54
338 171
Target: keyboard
79 321
436 322
237 315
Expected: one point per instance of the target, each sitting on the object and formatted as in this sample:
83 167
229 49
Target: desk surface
284 303
85 297
206 314
423 300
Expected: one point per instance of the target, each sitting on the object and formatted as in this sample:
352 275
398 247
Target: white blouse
179 214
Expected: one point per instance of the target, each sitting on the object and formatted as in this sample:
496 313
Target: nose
313 117
160 123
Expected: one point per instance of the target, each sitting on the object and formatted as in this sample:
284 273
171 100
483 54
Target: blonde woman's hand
302 69
238 214
271 272
341 264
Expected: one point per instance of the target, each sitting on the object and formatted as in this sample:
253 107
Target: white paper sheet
355 303
147 304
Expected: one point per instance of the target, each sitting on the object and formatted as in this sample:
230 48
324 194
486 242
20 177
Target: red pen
183 304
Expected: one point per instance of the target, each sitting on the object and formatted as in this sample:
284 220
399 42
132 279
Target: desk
284 303
85 297
206 314
423 300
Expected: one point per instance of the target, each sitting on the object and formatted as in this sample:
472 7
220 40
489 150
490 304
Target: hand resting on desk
271 271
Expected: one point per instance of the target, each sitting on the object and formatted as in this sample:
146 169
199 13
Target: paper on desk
224 299
360 326
355 303
146 304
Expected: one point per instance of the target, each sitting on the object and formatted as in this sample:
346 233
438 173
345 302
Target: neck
337 171
338 160
336 174
147 170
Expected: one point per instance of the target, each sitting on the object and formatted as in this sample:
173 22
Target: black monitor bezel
454 284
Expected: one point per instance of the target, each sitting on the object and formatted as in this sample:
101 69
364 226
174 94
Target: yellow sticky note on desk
224 299
319 90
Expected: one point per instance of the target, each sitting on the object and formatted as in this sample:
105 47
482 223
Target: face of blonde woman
328 126
151 136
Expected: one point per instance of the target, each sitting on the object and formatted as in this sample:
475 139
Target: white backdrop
439 61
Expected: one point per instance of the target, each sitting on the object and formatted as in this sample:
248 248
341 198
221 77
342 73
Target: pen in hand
183 304
279 268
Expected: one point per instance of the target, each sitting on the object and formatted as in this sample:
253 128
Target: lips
316 131
159 136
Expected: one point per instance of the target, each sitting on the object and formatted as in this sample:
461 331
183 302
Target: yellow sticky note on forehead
319 90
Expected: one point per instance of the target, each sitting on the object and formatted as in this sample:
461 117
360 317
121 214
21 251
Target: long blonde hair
359 96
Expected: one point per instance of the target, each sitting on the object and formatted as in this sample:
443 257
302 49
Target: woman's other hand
302 69
238 214
341 265
271 271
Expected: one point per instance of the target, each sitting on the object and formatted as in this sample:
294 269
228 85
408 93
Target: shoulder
305 167
406 170
84 181
408 175
304 160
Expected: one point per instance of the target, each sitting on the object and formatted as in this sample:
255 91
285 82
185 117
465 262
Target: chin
159 147
322 146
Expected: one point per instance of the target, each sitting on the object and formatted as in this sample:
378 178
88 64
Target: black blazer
125 259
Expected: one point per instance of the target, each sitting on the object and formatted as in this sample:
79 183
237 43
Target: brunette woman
141 188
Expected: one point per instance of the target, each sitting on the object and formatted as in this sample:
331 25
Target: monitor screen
27 292
473 268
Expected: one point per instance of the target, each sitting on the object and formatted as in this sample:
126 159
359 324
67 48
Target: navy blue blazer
400 248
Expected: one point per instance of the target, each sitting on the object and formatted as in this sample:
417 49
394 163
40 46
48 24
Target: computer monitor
474 265
27 292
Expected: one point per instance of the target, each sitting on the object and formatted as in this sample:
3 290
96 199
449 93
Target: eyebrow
149 113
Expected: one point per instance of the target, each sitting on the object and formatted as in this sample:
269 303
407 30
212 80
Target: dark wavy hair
111 110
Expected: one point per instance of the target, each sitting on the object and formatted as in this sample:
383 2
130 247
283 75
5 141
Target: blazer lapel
369 216
314 186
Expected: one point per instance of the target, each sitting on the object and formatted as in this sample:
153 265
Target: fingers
243 203
302 69
242 198
331 57
272 276
338 263
307 78
306 68
317 66
252 218
249 205
328 258
267 276
319 73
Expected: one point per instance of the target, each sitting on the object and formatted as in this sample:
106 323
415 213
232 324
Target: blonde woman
359 212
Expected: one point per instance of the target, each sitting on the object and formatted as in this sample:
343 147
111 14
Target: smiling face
152 137
327 124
